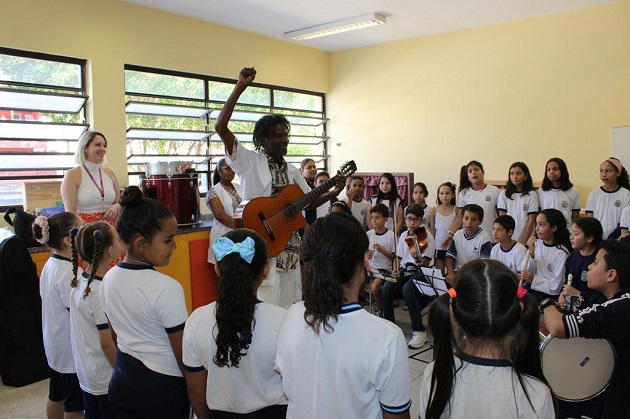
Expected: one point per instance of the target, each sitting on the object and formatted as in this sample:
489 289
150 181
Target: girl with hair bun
494 371
65 394
335 358
92 341
230 344
147 311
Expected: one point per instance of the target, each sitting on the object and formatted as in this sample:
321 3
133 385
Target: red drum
176 185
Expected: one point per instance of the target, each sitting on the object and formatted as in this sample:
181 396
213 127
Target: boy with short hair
610 275
381 250
469 243
507 250
354 199
410 263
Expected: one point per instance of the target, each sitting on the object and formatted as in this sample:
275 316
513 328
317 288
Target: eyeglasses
413 219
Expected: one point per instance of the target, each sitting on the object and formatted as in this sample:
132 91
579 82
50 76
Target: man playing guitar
262 173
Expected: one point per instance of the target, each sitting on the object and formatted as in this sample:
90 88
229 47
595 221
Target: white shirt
54 288
465 248
607 206
486 198
513 258
404 253
388 241
548 268
485 388
87 318
143 306
359 209
564 201
88 195
519 207
357 371
218 229
254 384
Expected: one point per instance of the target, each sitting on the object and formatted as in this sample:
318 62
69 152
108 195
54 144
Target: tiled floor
29 402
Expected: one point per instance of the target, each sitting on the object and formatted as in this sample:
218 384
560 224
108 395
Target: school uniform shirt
393 212
564 201
143 306
388 241
607 206
513 258
548 267
54 288
608 321
577 265
254 384
87 318
403 252
359 209
489 388
356 371
486 198
519 207
624 221
465 248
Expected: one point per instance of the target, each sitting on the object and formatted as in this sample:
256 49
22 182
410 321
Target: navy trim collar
349 308
467 237
508 250
133 266
605 191
484 361
56 256
95 278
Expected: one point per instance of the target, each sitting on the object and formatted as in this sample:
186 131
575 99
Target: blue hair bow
224 246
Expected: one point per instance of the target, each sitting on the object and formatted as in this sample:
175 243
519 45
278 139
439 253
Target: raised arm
245 77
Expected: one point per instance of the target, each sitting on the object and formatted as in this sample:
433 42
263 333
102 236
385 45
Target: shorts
65 388
440 254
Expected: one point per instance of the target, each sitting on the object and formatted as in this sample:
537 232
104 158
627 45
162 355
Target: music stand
431 283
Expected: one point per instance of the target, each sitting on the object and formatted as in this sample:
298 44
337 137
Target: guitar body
272 218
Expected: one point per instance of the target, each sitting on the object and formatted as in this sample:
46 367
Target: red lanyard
101 189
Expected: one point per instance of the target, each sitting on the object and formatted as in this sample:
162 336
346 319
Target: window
171 116
42 115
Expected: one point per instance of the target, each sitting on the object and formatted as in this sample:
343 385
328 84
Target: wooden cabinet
188 265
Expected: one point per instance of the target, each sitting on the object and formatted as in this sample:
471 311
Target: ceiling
405 18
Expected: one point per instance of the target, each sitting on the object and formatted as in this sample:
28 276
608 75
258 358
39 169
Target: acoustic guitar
276 217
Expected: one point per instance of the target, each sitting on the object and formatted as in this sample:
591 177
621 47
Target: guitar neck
310 197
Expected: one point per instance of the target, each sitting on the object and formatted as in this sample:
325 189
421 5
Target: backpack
22 356
21 223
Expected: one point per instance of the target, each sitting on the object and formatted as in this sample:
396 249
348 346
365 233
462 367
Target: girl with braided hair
93 345
494 371
65 398
335 358
230 344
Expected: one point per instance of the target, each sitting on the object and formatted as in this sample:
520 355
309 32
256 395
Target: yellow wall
526 90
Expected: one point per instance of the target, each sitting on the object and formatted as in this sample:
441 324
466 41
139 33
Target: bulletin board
621 144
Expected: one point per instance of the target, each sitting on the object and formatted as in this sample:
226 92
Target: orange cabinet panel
203 277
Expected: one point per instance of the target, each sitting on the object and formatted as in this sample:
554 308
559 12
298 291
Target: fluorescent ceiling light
346 25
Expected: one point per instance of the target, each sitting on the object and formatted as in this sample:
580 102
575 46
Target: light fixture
345 25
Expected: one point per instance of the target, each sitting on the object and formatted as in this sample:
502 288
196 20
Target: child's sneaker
418 339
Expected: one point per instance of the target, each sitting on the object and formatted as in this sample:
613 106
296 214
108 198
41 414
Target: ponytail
332 253
96 257
236 302
444 368
75 257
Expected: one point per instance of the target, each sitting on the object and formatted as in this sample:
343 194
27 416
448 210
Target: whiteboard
621 144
